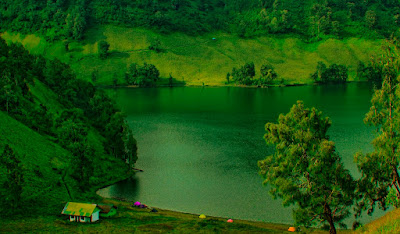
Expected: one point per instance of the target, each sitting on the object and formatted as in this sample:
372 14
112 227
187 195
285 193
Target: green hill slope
388 224
199 59
42 160
68 137
48 98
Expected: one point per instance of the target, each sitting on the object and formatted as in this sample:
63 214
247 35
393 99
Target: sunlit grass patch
364 49
335 51
127 39
34 44
389 223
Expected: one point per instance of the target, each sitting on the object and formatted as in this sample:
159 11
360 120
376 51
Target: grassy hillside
43 163
61 149
389 223
48 98
199 59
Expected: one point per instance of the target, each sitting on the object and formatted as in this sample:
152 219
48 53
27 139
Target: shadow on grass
174 82
94 34
118 55
75 50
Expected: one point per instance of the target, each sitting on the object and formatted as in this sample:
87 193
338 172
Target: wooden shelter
81 212
107 210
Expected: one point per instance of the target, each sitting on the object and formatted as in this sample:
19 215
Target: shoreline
233 85
127 205
174 213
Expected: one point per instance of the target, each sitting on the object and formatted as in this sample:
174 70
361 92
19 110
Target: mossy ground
198 60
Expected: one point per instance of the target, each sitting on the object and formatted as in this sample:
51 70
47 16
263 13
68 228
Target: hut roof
79 209
105 208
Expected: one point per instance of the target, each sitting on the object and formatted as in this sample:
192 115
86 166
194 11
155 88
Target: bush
145 76
102 48
156 46
332 74
244 75
268 74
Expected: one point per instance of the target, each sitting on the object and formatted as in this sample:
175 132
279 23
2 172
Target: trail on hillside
169 48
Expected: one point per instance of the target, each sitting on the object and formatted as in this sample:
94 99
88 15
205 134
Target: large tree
305 169
380 168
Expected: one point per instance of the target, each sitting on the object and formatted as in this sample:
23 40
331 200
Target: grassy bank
129 219
389 223
198 60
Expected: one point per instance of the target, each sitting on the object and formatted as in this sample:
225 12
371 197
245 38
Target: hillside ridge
199 60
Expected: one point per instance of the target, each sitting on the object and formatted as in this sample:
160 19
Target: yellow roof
79 209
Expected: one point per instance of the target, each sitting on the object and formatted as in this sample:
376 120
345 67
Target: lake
199 146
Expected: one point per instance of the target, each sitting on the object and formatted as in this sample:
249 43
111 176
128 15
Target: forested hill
60 137
309 19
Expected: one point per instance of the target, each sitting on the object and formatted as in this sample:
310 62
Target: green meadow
389 223
200 59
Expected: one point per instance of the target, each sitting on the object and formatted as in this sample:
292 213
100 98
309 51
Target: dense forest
64 112
309 19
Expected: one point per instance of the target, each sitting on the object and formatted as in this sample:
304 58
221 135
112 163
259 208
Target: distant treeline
310 19
335 73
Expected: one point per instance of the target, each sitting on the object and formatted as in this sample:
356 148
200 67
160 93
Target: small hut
107 210
81 212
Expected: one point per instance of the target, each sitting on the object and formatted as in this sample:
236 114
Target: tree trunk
329 218
396 180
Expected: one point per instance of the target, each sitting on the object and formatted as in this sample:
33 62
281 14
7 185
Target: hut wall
95 216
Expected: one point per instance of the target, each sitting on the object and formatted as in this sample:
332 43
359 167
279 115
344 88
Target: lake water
199 147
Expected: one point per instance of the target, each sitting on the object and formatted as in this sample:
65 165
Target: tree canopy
380 168
305 169
146 75
311 19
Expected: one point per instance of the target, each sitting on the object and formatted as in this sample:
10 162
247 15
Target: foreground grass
389 223
198 60
129 219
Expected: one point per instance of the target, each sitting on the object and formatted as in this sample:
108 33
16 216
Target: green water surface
199 147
